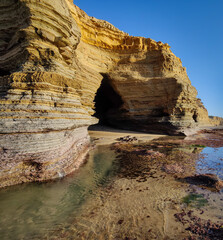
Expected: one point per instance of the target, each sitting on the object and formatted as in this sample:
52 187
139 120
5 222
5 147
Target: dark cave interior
107 101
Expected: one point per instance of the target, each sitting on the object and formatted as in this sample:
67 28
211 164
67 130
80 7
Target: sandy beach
104 135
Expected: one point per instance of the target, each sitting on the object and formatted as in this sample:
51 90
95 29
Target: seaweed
195 200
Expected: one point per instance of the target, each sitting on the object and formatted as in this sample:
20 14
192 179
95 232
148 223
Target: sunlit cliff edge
53 57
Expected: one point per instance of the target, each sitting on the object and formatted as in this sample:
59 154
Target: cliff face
53 59
155 90
217 121
43 130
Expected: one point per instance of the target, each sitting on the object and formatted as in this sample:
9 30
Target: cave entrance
107 101
195 117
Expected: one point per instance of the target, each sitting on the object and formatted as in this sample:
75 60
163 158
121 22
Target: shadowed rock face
156 92
53 58
43 130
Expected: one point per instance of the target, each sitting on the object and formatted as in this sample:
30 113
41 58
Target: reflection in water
139 203
30 209
212 161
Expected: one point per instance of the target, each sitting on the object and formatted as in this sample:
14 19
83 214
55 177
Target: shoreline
105 135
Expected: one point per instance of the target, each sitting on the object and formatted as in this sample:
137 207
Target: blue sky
193 29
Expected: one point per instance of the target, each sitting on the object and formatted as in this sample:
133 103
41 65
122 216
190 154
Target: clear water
212 161
31 211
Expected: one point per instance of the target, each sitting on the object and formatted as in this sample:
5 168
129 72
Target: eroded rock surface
217 121
43 130
53 58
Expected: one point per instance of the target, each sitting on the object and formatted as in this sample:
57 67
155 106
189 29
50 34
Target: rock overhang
52 59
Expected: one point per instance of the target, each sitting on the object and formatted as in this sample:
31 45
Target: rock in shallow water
208 180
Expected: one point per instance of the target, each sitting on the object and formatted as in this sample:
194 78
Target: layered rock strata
156 93
43 130
217 121
53 58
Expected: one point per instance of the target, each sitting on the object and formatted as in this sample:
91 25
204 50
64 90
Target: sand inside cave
104 135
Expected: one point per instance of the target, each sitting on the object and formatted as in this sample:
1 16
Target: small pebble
120 221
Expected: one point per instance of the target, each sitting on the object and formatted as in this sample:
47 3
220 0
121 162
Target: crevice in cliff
195 116
14 40
107 101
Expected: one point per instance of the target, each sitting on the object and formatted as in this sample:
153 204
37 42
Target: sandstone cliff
53 59
217 121
154 88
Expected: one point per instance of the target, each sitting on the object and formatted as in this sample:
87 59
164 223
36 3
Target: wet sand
130 209
147 199
126 191
103 135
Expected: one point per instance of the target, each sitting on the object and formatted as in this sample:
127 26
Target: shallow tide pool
212 162
97 202
29 211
